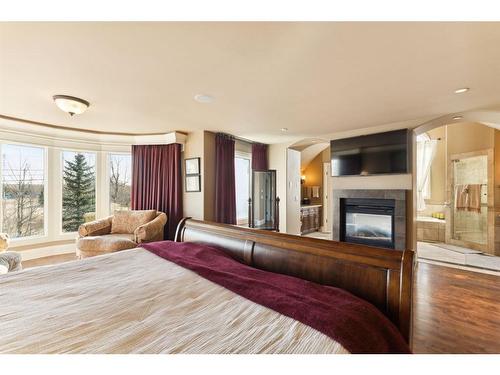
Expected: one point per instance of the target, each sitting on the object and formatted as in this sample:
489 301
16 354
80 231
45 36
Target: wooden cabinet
310 218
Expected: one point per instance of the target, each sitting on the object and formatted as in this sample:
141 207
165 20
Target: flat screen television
382 153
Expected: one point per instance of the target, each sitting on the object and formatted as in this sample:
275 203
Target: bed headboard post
381 276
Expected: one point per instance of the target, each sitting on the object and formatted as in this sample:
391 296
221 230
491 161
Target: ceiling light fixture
203 98
284 129
71 104
461 90
457 117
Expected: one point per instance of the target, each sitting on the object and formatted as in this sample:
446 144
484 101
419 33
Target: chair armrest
152 231
96 228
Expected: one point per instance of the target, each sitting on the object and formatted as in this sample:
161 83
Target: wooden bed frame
380 276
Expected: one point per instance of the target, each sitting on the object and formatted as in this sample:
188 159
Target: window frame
247 156
107 176
45 235
60 156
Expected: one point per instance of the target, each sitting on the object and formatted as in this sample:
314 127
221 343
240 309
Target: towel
468 197
315 191
474 193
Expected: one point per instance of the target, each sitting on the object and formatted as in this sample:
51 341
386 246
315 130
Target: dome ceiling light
204 98
71 104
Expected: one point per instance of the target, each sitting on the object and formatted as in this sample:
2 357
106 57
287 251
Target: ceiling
312 78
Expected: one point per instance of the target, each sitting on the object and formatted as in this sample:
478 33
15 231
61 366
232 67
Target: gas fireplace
367 221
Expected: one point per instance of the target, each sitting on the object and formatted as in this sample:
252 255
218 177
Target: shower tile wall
472 226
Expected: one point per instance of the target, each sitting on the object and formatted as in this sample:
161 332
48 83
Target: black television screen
382 153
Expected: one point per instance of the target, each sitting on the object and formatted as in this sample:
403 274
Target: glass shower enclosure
469 226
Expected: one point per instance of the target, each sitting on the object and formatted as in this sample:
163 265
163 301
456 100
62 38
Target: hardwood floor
455 311
48 260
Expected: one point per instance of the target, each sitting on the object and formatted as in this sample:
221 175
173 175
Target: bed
135 302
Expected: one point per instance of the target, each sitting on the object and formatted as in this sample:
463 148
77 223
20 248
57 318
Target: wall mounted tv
382 153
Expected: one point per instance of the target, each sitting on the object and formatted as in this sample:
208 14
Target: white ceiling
312 78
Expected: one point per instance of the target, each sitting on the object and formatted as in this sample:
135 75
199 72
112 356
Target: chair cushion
128 221
106 244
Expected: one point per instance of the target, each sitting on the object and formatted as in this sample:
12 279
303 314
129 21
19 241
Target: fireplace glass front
368 221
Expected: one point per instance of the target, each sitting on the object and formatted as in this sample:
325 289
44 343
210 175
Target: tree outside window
23 185
120 179
78 189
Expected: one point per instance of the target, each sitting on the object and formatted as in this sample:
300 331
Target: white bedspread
136 302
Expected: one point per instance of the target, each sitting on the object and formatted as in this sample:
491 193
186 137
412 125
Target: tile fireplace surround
399 197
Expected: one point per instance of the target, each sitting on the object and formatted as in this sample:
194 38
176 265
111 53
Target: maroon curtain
225 190
157 182
259 157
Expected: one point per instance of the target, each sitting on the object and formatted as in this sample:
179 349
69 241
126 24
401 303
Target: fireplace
383 208
368 221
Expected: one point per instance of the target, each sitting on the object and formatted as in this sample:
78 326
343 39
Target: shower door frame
489 247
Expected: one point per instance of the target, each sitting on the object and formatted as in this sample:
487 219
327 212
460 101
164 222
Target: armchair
124 230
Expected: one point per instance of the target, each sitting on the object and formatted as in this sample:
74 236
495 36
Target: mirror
264 205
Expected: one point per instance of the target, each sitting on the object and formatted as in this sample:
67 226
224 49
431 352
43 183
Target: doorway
455 221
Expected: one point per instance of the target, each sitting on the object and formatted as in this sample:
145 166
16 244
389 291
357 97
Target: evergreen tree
78 192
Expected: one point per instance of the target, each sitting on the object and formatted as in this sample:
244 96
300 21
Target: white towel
315 191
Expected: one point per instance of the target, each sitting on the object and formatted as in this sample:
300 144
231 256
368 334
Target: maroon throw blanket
356 324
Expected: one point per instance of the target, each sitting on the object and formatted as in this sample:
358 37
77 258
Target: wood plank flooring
54 259
454 311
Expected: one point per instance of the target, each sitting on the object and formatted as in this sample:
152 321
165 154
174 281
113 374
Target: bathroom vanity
310 218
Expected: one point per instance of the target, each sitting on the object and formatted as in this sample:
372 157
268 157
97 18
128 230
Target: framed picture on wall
192 166
193 183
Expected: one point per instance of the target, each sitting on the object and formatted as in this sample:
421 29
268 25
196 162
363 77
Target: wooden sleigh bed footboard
380 276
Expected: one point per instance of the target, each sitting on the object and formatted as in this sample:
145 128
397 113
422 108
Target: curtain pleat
157 182
225 189
259 157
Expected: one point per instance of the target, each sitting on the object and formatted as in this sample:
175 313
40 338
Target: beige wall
277 154
193 202
497 170
467 137
455 139
201 205
293 223
438 168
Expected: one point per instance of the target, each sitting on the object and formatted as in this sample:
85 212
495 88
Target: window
78 193
120 180
242 166
426 191
23 190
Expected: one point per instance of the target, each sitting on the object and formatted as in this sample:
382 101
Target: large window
78 193
242 167
120 178
23 190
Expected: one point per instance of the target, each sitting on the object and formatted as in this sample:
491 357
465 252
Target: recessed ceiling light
71 104
203 98
461 90
457 117
284 129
